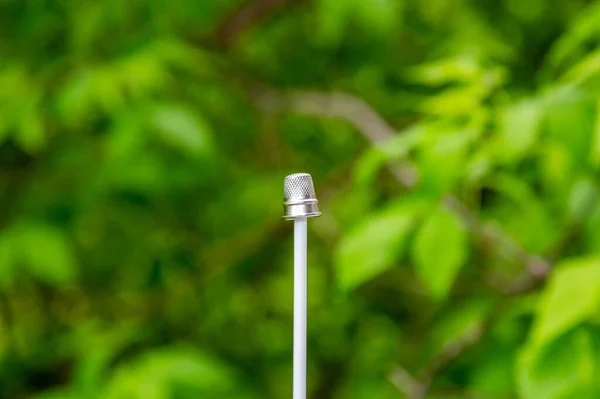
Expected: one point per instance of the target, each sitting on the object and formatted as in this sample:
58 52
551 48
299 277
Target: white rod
300 309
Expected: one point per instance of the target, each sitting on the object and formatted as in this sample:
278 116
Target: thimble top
299 197
298 186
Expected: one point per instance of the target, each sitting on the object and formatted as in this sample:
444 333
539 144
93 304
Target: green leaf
445 71
377 17
520 128
31 136
493 376
571 297
143 72
583 194
439 251
46 252
181 128
557 166
453 102
126 136
464 100
75 99
108 91
570 120
481 164
442 158
587 68
375 244
158 374
583 28
563 370
332 19
536 229
96 349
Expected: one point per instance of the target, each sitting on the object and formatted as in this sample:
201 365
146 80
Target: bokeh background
455 148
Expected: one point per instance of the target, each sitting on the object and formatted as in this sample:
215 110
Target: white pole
300 278
299 204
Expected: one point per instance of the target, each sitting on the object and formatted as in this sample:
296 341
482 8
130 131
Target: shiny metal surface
299 197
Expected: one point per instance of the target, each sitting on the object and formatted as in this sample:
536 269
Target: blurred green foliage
143 146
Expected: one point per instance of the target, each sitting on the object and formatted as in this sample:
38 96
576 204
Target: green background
455 149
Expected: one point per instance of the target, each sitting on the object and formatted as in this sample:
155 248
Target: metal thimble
299 197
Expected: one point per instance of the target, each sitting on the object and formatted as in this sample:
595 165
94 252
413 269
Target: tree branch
340 105
377 131
417 388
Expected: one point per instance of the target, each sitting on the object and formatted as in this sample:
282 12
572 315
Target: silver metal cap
299 198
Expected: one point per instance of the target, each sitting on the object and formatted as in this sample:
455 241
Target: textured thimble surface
299 198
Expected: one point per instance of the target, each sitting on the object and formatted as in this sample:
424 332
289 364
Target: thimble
299 198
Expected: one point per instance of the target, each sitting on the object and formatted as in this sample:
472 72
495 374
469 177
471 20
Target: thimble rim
301 201
304 216
297 174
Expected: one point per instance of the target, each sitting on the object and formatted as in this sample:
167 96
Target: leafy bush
455 148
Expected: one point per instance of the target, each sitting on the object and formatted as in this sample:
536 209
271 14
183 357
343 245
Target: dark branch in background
339 105
377 131
536 267
251 13
571 233
417 388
